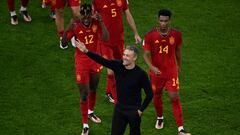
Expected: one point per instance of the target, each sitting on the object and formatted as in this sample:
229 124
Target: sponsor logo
79 77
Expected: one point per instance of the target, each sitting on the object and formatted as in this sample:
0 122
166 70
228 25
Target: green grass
38 93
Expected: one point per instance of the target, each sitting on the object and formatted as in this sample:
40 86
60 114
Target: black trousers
122 117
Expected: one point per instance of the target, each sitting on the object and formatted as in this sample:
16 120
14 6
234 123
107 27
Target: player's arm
132 25
97 58
105 33
178 52
147 58
67 35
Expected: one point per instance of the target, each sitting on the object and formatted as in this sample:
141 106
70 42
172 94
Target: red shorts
71 3
84 68
171 83
112 50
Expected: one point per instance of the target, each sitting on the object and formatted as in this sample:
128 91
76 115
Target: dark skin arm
105 34
147 58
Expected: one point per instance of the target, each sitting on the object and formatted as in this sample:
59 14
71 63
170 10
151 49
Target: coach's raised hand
81 46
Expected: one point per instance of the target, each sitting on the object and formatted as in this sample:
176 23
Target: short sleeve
179 39
146 43
125 4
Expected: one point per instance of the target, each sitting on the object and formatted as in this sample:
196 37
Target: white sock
180 128
85 125
90 111
160 117
23 8
12 13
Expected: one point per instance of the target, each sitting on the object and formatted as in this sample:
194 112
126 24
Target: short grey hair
133 48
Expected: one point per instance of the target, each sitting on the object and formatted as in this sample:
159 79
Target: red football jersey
111 12
162 49
87 35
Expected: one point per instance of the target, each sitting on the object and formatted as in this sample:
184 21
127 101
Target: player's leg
53 9
107 53
45 3
24 12
83 89
111 87
11 8
82 79
158 84
119 122
75 8
172 86
94 80
59 21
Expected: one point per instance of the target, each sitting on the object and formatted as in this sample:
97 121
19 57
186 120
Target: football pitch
38 94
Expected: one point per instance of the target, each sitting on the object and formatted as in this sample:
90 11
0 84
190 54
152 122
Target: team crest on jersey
94 28
78 77
119 3
154 87
171 40
156 42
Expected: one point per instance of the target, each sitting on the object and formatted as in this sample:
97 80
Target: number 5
114 13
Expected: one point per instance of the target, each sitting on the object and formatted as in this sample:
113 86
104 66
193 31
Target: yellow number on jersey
163 50
114 13
175 82
89 39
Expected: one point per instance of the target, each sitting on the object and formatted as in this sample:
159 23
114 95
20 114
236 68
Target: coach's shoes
26 16
109 97
85 131
94 118
159 124
183 132
14 20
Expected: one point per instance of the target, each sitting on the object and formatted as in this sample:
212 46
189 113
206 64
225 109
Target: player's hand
97 16
140 113
155 70
138 39
80 45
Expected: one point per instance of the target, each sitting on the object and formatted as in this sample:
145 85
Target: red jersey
111 12
162 49
87 35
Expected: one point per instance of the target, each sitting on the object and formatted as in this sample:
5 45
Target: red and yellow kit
163 57
89 36
111 12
